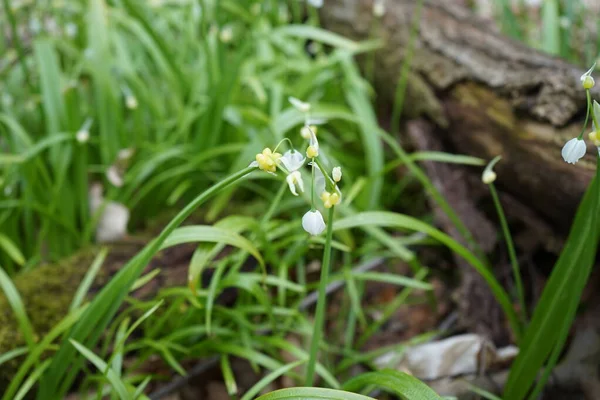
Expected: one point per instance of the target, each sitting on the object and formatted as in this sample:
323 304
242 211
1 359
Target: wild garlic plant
323 185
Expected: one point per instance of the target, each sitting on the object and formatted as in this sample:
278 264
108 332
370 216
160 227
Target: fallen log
487 95
472 91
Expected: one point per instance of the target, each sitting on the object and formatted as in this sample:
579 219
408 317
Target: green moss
47 292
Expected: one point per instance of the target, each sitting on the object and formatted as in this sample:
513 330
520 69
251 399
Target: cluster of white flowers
291 163
575 148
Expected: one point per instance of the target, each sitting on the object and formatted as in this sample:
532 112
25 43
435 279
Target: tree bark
472 91
487 95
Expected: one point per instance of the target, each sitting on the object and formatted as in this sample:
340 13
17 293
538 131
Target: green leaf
305 393
558 303
14 299
384 218
11 249
111 375
406 386
213 234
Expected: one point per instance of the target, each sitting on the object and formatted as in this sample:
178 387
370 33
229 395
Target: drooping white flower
573 150
226 34
131 102
587 81
82 136
299 105
316 3
114 176
293 160
313 222
378 8
337 174
489 176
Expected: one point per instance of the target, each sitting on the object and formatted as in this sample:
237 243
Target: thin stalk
511 252
321 302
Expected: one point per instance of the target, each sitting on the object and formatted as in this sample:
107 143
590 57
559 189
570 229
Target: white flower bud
313 222
586 79
299 105
131 102
573 150
337 174
82 136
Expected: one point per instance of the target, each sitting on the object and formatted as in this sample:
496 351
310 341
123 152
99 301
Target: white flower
337 174
226 34
293 160
125 154
299 105
131 102
489 176
573 150
313 223
316 3
114 176
307 131
586 79
71 29
82 136
378 8
295 179
319 180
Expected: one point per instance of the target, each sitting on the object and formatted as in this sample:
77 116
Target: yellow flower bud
588 82
312 152
267 160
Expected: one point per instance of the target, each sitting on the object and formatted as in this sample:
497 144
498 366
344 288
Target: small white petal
588 72
131 102
294 180
292 160
573 150
488 177
313 222
337 174
114 176
299 104
82 136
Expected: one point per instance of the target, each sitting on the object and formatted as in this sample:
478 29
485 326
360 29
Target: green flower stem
511 252
325 174
321 302
312 187
587 113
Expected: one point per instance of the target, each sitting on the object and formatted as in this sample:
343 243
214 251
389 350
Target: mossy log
48 290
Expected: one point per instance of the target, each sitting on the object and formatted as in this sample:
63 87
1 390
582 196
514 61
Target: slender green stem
587 114
312 187
321 302
511 252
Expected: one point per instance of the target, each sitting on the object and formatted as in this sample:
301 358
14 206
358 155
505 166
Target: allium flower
573 150
131 102
316 3
312 151
307 131
330 199
586 79
378 8
489 176
293 160
299 105
313 223
82 136
267 160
